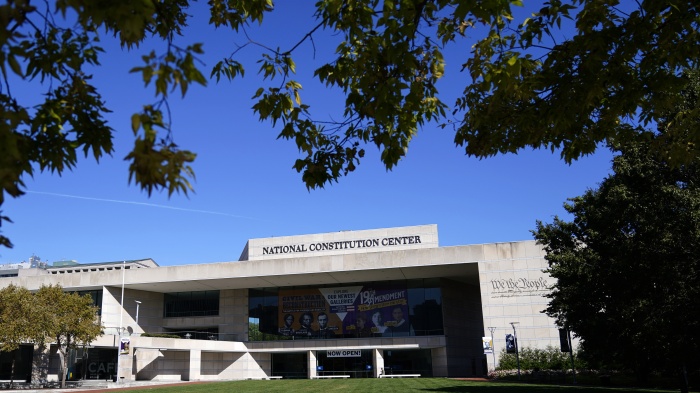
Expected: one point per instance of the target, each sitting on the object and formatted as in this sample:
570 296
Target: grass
381 386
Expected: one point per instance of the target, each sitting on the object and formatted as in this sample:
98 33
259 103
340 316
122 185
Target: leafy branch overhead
568 77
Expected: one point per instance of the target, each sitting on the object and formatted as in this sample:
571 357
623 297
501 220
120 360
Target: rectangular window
371 309
191 304
96 296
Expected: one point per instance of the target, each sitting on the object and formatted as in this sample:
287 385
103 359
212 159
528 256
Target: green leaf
14 65
135 122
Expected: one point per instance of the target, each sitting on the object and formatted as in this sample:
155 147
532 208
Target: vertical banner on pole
510 343
564 340
124 346
487 343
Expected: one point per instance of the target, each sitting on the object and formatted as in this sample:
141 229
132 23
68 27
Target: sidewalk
102 387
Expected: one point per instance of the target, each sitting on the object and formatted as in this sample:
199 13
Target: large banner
351 311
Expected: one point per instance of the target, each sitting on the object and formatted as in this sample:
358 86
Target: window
398 308
96 296
191 304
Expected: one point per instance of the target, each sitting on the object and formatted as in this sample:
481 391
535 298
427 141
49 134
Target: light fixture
138 303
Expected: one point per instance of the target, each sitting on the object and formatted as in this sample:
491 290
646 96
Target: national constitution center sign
344 242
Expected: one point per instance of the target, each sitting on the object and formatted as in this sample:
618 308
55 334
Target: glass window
262 314
373 309
191 304
96 296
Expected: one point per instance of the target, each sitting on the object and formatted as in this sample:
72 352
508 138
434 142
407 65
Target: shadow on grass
425 385
522 388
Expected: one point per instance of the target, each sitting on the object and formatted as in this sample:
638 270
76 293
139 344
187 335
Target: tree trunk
685 388
642 373
12 370
62 357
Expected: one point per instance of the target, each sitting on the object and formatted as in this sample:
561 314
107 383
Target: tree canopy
48 316
567 77
71 321
19 323
627 266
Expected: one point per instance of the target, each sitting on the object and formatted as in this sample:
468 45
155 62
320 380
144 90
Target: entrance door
94 363
345 363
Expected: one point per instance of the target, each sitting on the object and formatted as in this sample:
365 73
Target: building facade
355 303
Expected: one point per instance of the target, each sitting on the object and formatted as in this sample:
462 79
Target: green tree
18 321
569 76
627 266
70 321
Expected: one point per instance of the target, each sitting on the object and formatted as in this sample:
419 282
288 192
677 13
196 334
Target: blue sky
246 187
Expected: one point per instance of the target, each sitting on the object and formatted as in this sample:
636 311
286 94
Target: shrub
537 359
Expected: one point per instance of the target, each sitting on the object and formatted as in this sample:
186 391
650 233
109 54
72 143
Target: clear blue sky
246 187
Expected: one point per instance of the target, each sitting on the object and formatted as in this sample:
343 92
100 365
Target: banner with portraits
348 311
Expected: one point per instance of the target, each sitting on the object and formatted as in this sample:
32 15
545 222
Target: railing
183 334
200 335
259 336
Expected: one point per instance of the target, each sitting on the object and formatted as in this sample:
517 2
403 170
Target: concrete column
195 365
378 358
439 356
312 364
127 366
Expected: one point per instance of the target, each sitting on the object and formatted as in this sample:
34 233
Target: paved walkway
112 387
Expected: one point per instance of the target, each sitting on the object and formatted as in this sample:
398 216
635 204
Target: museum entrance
92 363
355 363
290 365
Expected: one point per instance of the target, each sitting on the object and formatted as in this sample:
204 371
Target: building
15 269
358 303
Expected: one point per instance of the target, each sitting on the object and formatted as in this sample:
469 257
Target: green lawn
372 385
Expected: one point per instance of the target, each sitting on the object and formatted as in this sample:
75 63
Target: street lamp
138 303
492 329
517 352
121 322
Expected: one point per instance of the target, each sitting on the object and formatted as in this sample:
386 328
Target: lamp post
492 329
138 303
121 321
517 351
571 353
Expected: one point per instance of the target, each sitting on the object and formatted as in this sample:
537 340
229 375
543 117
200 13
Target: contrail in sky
140 204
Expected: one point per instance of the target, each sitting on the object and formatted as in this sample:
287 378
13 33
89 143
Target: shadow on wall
161 365
217 364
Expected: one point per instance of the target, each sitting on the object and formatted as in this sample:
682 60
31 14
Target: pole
492 329
517 351
121 321
571 354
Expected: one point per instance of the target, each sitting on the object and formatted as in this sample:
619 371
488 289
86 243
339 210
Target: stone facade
488 285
